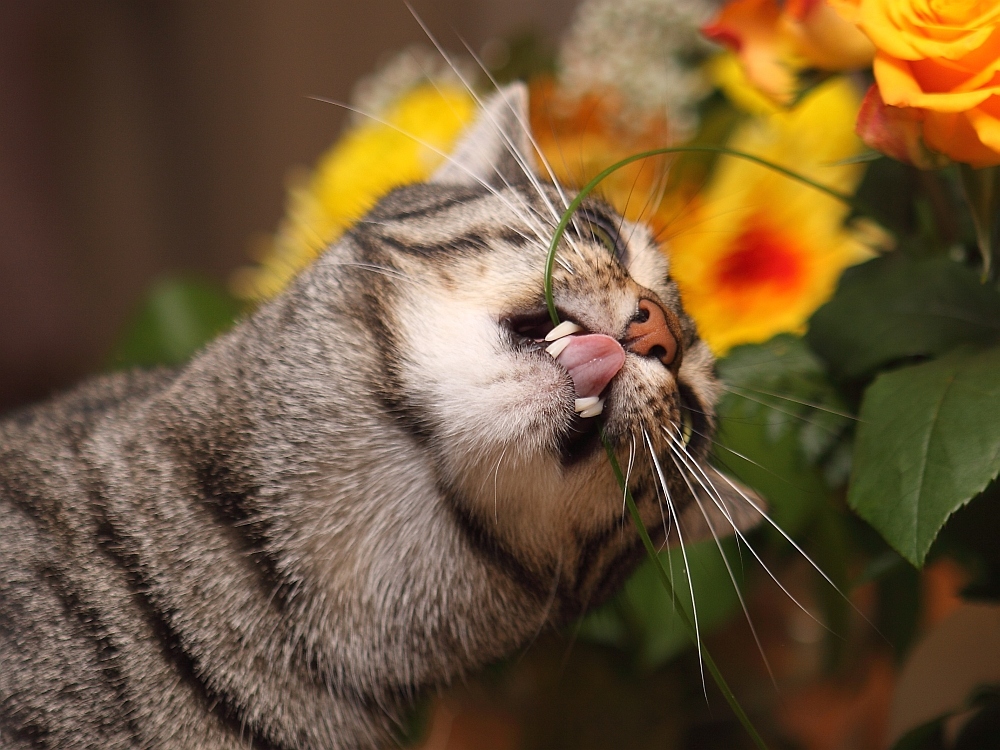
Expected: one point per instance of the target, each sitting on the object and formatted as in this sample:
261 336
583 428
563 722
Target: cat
384 478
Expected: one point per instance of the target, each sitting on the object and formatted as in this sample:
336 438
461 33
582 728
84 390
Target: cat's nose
649 334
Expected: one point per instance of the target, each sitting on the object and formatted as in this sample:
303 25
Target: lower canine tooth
556 347
594 410
582 404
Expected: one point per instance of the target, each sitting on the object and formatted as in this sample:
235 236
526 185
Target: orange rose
941 58
776 41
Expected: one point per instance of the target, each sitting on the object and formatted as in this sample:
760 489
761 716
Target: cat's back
55 584
40 445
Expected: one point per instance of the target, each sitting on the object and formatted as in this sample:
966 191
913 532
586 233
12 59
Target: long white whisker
687 566
628 474
525 126
777 409
383 270
537 227
798 549
818 407
743 457
565 264
471 91
496 489
659 191
717 499
732 576
660 502
520 158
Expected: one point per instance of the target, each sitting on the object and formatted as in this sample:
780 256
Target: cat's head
510 407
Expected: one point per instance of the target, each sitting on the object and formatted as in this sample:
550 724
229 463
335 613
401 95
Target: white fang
563 329
556 348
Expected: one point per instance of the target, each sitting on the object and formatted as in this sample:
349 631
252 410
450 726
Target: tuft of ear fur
742 508
496 149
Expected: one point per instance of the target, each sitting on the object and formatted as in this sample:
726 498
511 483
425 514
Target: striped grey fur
368 487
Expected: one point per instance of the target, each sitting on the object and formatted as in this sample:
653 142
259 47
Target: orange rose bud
824 38
751 29
775 42
895 131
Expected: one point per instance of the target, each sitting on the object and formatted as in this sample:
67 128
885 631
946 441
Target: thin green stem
665 580
983 199
587 189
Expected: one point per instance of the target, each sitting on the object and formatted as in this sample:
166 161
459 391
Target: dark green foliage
177 317
781 423
894 309
979 731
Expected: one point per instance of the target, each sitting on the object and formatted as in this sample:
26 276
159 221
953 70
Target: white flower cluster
648 50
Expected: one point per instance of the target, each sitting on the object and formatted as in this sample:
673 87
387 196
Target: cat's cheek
642 397
697 372
523 407
486 392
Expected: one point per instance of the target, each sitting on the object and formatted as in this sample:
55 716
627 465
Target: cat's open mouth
591 360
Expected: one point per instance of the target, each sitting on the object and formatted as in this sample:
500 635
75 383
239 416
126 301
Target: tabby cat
384 478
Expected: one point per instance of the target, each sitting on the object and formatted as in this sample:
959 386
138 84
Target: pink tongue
592 360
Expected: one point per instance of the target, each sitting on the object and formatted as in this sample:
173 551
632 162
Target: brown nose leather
649 334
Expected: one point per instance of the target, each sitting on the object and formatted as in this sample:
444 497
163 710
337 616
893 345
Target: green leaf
779 417
777 470
928 442
177 317
895 308
978 731
929 736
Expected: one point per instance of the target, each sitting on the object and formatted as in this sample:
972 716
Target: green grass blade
589 188
665 580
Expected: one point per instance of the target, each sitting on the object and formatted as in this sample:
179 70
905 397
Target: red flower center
760 257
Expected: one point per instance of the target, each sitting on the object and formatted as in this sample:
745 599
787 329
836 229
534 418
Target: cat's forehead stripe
421 200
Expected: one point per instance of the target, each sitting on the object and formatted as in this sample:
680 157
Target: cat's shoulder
76 411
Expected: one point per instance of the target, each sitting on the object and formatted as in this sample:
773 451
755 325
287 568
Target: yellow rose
941 58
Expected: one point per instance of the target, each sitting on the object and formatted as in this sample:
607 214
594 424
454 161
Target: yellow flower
730 76
366 163
758 252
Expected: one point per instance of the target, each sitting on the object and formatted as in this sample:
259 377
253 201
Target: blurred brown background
144 137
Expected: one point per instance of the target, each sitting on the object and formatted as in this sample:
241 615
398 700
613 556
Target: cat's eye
604 230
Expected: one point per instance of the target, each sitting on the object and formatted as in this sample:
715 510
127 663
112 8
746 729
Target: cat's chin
581 441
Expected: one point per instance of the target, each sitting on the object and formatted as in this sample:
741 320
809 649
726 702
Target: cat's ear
729 507
495 150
